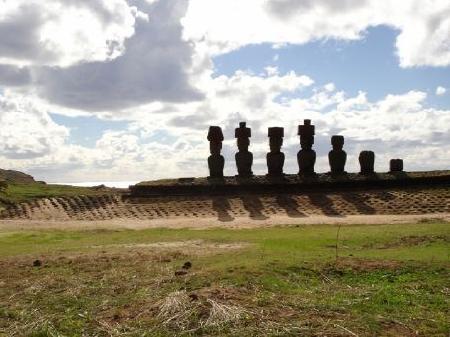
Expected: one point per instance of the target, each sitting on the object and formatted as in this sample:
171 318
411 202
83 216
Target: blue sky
114 90
369 64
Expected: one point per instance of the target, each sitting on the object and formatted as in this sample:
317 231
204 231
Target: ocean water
118 184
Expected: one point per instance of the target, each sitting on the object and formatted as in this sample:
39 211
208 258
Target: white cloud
330 87
12 76
221 26
27 130
440 91
394 126
165 86
62 33
155 66
169 140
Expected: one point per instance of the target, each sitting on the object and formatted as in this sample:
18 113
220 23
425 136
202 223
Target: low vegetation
13 193
389 280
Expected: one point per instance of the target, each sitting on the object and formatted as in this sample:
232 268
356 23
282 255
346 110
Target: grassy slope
15 193
388 280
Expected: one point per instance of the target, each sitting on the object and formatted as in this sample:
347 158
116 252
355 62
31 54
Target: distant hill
11 176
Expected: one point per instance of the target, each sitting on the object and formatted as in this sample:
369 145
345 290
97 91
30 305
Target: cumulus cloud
62 33
440 91
424 26
154 67
12 76
27 130
173 143
144 65
394 126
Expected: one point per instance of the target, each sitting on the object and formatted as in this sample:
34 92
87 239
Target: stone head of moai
337 157
337 142
396 165
243 134
215 138
276 135
306 133
367 162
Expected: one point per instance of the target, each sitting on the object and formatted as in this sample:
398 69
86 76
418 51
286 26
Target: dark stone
275 158
244 158
396 165
37 263
337 157
193 297
216 161
306 157
367 162
180 272
187 265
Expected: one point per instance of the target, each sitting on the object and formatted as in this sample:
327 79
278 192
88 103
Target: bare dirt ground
244 211
240 222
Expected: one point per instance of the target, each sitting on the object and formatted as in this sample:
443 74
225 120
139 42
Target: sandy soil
199 223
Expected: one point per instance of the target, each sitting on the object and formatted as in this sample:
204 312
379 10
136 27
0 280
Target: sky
125 90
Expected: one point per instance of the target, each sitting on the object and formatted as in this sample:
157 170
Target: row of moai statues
306 157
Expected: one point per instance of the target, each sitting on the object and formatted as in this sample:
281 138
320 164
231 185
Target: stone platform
288 184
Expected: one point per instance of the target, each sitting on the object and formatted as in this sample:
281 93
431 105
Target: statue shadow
222 206
359 202
290 205
323 202
384 196
253 206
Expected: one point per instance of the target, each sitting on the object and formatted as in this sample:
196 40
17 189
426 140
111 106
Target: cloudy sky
123 90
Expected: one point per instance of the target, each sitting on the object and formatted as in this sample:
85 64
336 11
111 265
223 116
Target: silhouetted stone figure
337 157
367 162
216 161
396 165
275 158
244 158
306 157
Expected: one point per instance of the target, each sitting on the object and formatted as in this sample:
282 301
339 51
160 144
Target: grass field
388 280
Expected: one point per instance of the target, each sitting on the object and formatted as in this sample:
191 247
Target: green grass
388 280
16 193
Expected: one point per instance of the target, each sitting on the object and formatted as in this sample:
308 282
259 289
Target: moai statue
337 157
306 157
244 158
396 165
367 162
275 158
216 161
